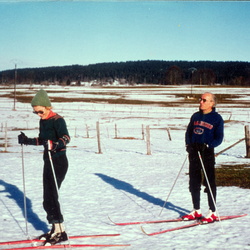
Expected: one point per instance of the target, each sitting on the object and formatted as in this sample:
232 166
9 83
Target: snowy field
123 182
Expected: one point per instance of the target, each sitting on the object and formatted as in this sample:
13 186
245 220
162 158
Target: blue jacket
205 128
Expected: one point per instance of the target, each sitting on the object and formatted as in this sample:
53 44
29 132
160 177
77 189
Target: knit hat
41 99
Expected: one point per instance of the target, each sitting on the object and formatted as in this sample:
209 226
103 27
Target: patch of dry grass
233 175
22 96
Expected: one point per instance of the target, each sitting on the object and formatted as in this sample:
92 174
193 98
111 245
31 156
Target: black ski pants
195 176
50 195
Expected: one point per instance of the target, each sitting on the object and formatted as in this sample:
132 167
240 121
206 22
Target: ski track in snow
123 182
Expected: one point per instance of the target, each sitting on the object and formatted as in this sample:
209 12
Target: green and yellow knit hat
41 99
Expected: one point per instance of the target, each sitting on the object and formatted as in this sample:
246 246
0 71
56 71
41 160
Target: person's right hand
22 139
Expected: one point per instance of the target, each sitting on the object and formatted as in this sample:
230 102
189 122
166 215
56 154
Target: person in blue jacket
205 131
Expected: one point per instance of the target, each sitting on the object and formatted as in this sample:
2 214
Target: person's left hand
201 146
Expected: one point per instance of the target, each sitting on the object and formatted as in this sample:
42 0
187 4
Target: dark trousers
195 177
50 196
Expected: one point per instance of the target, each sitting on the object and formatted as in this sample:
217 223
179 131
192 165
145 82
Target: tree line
136 72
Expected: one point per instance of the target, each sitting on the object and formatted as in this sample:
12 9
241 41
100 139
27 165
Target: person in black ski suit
54 136
204 132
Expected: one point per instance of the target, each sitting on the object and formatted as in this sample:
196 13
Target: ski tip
231 217
241 215
111 220
244 215
142 229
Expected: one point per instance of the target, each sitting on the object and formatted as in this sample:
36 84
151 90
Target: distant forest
136 72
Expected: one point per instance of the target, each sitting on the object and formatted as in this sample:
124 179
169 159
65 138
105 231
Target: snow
123 183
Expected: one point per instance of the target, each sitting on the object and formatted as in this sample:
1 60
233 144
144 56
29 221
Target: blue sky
58 33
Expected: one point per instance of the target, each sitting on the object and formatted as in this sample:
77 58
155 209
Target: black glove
195 147
201 146
22 139
190 148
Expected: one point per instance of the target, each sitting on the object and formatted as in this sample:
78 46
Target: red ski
70 237
196 223
144 222
68 246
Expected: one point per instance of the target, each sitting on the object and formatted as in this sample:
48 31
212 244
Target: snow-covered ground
123 182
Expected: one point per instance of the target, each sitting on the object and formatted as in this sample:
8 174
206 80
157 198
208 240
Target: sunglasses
38 112
203 100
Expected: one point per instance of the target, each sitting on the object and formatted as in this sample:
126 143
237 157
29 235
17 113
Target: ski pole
52 166
24 194
174 183
209 187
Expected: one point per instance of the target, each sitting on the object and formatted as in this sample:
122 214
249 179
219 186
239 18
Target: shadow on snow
122 185
14 193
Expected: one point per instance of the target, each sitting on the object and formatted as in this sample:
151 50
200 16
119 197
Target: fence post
98 138
148 140
169 136
6 139
116 131
142 132
87 131
247 139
